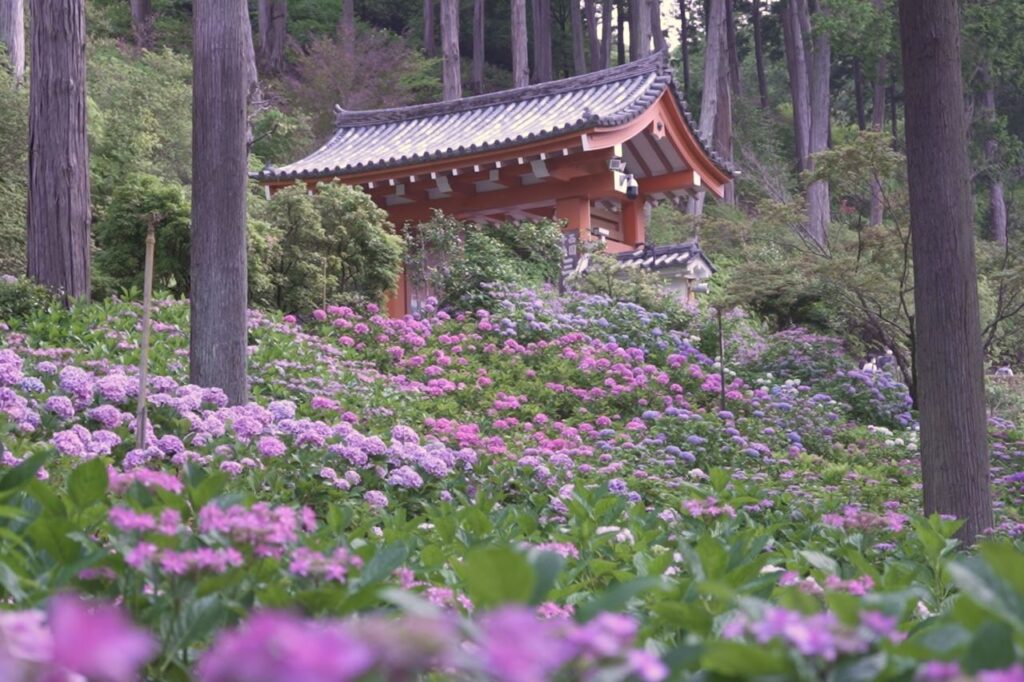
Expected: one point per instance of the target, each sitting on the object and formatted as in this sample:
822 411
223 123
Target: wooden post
147 303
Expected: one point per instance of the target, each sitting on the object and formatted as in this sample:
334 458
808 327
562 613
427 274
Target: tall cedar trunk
858 95
639 29
520 54
273 24
723 125
684 46
347 26
893 120
452 75
950 382
660 41
429 41
542 58
58 152
819 209
620 33
142 23
478 46
715 98
796 65
997 193
762 82
606 34
579 57
220 92
255 99
877 124
593 37
12 36
734 55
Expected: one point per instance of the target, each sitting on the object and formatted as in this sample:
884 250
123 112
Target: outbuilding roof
389 138
664 257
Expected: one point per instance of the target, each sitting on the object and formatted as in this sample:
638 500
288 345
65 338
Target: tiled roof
385 138
661 257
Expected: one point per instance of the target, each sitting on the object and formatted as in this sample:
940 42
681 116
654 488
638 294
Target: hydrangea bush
561 488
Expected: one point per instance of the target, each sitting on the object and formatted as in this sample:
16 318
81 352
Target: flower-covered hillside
564 487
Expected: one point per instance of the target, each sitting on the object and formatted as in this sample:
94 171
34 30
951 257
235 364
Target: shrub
464 262
334 246
20 297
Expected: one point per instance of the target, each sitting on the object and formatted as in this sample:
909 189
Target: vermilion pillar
575 211
634 228
398 300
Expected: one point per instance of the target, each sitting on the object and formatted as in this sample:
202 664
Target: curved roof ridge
655 63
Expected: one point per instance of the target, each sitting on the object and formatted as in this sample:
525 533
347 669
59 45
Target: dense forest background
818 230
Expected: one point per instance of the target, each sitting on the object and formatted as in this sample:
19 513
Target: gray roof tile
391 138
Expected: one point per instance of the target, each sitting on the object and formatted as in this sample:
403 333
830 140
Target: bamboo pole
147 303
721 356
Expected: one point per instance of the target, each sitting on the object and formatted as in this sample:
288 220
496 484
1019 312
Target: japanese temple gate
591 150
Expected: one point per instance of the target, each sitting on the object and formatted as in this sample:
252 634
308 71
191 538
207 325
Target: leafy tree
121 234
333 246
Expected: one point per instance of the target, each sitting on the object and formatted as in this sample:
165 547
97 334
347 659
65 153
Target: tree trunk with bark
997 191
949 360
715 125
877 211
273 24
819 208
639 29
429 41
347 26
579 57
858 95
142 23
220 93
542 58
660 41
796 65
478 46
58 153
734 55
762 82
12 36
620 30
606 33
593 37
520 52
256 102
684 46
452 74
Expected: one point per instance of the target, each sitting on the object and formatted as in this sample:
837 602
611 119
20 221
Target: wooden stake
147 302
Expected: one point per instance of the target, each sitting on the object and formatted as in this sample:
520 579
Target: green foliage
383 71
13 177
121 237
332 246
140 117
280 137
20 297
463 261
